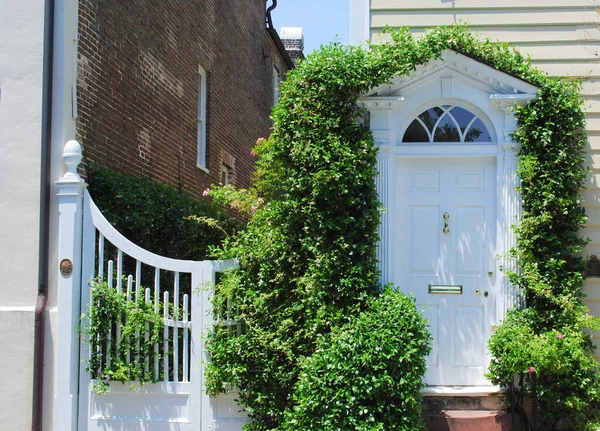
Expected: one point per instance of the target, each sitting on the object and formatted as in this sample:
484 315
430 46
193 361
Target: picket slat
156 310
137 331
100 256
186 341
176 330
119 271
109 338
129 287
109 276
166 339
146 335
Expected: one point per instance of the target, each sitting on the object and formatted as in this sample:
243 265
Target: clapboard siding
593 123
591 106
563 39
576 52
590 87
497 17
579 69
522 35
480 4
593 214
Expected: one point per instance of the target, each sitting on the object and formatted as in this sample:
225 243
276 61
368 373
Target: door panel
430 258
426 181
467 351
424 241
469 250
431 313
470 181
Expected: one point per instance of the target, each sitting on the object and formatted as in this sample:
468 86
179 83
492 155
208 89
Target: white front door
446 227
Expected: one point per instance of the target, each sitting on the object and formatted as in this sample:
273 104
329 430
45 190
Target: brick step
467 420
490 402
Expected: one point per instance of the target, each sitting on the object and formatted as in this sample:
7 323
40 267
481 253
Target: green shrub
307 259
157 217
567 384
367 374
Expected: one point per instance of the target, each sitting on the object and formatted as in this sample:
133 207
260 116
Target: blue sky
321 20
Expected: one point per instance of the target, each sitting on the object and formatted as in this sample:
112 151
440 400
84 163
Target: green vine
140 326
307 258
551 336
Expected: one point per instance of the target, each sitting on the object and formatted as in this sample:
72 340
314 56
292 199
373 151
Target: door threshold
464 391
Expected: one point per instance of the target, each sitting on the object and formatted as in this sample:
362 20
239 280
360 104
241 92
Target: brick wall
138 86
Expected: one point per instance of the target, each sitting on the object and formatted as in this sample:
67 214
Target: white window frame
202 162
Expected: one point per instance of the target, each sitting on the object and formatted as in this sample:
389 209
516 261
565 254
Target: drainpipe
44 230
269 9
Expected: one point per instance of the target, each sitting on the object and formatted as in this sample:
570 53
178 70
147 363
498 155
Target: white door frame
454 79
508 206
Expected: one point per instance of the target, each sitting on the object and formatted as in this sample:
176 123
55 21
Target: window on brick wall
202 162
276 81
225 175
227 168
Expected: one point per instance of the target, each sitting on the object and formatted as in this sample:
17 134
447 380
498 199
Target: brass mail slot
445 289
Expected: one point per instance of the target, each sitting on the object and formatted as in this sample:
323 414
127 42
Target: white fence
99 252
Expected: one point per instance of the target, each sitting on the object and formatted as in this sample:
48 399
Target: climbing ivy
307 259
126 354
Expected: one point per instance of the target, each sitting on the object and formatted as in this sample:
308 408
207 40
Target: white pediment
456 66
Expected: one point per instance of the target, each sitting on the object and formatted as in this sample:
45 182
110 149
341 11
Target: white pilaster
381 110
511 211
384 161
70 193
509 201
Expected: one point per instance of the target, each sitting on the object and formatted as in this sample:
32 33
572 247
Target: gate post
70 193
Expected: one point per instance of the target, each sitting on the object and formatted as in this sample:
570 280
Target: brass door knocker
446 228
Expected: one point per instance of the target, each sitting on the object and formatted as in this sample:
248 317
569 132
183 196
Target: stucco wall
21 29
562 38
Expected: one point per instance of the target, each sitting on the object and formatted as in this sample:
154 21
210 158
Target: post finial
72 157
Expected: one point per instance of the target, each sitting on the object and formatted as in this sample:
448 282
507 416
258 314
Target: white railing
107 256
166 276
91 250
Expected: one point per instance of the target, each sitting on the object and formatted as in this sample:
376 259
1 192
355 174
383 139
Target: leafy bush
567 383
549 336
367 374
157 217
307 259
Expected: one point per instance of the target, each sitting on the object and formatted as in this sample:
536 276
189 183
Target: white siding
562 38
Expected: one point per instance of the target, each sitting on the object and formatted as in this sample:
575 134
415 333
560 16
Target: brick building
176 91
126 78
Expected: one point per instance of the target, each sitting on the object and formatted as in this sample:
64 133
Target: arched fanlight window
447 123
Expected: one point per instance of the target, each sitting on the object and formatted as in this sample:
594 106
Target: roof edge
279 45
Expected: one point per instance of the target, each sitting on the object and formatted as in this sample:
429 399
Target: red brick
138 78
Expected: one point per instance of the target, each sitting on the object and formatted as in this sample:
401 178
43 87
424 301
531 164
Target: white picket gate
179 401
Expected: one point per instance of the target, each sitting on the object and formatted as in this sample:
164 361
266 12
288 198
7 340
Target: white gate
179 400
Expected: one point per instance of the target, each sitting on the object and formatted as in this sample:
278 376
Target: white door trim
508 205
448 196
